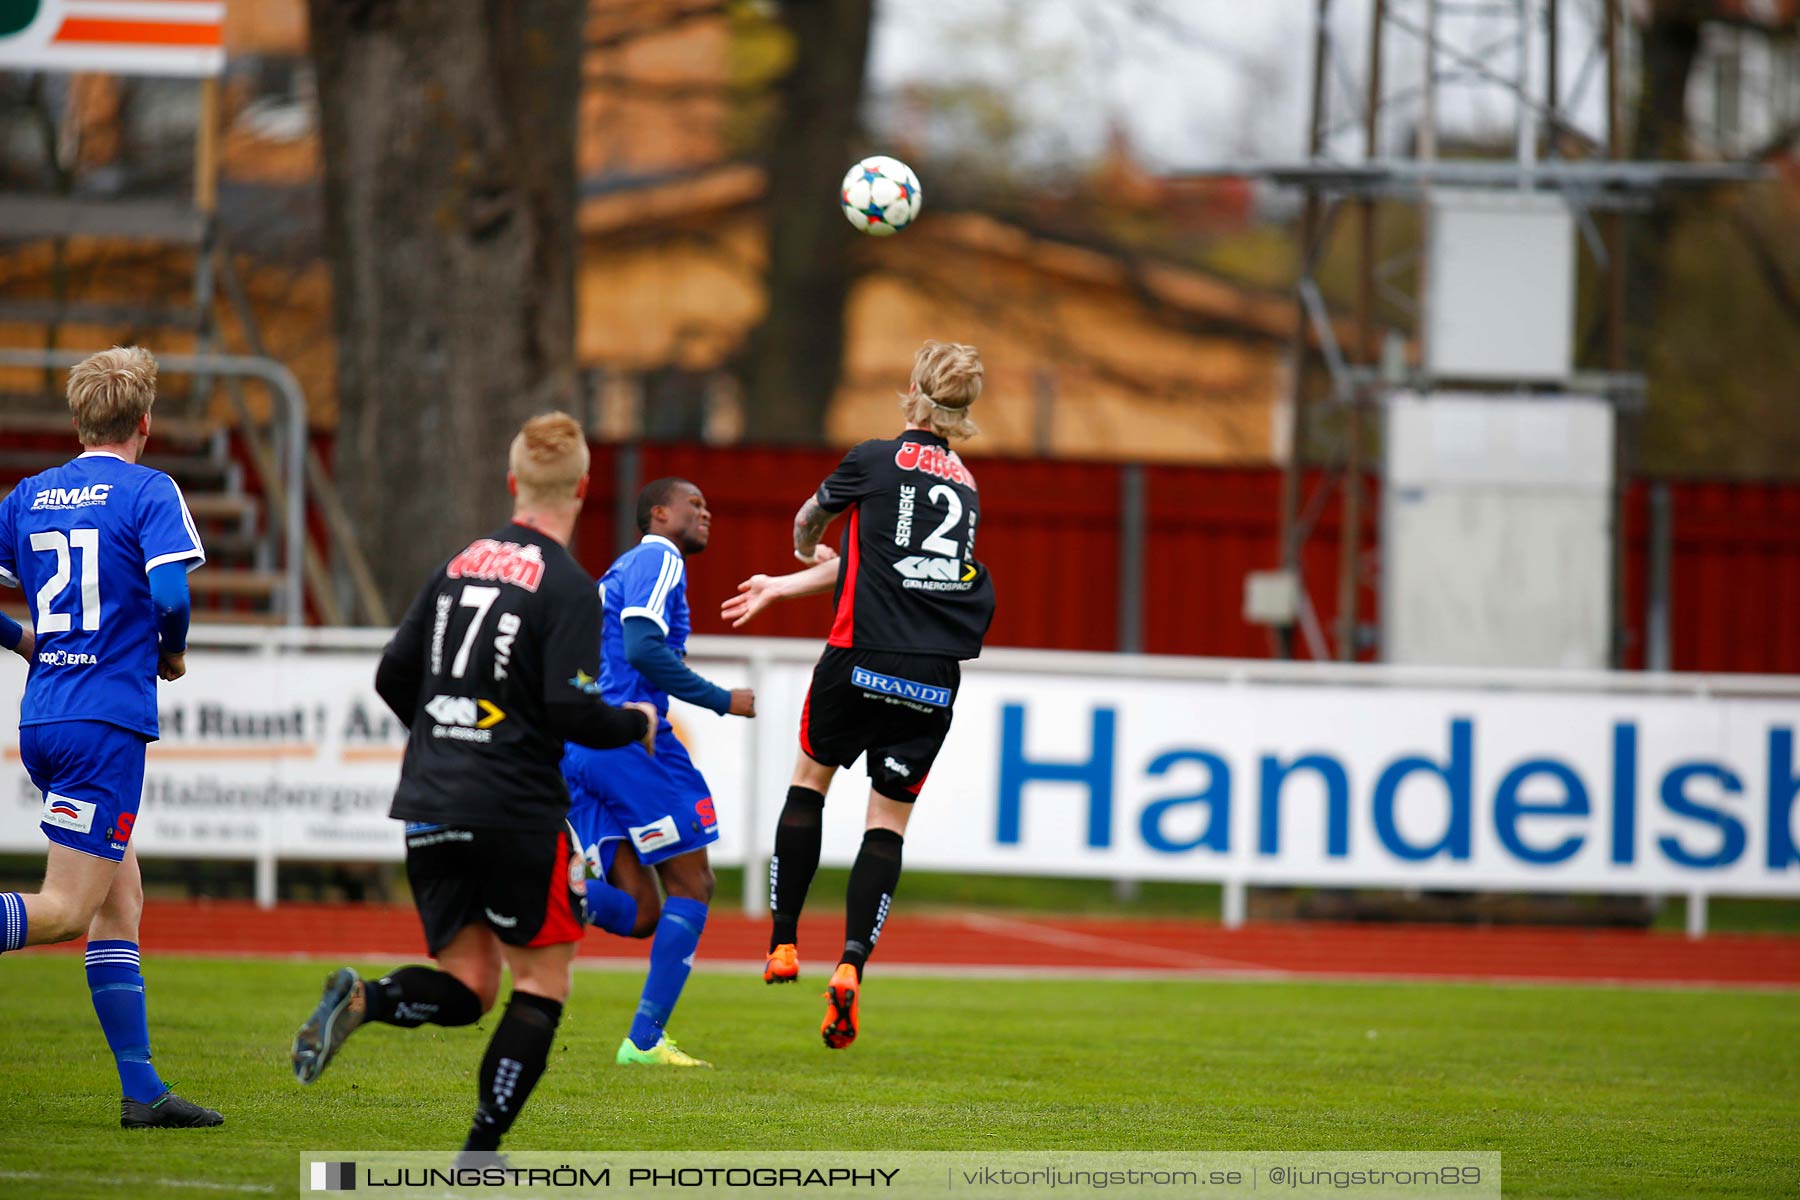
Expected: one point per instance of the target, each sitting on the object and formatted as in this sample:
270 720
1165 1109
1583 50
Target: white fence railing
275 748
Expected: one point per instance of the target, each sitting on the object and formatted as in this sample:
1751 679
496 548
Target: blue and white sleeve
166 531
9 566
647 583
646 650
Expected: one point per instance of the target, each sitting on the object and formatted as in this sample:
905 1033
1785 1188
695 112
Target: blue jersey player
101 548
631 809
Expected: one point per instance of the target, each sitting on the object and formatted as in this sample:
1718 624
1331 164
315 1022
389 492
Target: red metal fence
1052 533
1734 576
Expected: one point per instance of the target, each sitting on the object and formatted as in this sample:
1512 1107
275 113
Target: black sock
515 1061
415 996
873 879
795 862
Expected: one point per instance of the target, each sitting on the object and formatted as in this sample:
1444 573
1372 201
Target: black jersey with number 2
910 581
494 666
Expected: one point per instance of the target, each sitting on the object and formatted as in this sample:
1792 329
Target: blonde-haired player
492 669
547 464
912 603
101 547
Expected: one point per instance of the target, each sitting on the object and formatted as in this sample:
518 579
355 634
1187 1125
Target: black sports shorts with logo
896 708
516 882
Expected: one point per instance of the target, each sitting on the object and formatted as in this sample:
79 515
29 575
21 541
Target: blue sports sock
12 921
118 988
611 909
671 958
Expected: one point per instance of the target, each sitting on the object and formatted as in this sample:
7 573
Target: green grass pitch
1585 1091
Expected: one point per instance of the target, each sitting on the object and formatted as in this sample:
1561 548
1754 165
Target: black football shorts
515 882
896 708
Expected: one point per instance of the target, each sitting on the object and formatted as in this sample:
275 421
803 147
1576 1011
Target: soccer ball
881 196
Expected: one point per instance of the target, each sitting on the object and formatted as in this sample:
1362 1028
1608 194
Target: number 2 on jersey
937 543
54 541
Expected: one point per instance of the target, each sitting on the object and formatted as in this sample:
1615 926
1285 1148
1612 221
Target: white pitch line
1069 939
204 1185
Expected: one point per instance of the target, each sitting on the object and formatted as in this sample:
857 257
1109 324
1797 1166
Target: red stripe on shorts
561 925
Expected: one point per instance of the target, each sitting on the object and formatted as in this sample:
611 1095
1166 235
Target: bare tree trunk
449 143
796 354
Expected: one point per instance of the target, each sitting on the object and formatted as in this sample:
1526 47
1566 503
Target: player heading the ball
912 603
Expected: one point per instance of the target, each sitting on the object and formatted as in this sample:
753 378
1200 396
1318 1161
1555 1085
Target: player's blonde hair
110 392
946 379
548 458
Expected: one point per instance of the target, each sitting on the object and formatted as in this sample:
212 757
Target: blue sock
12 921
609 908
671 958
118 988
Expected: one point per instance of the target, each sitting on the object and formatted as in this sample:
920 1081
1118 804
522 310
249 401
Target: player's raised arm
842 488
759 591
809 526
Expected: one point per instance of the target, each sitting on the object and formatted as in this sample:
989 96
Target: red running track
991 942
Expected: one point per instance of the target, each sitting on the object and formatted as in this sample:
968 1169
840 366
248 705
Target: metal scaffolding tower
1377 138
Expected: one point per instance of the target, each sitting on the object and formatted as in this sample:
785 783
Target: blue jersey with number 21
80 541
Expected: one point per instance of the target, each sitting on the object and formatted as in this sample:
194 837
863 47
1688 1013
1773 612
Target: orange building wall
1125 383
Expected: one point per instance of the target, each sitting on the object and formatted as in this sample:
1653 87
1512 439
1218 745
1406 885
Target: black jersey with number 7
494 666
910 582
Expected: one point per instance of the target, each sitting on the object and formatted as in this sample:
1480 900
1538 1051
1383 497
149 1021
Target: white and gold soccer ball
881 196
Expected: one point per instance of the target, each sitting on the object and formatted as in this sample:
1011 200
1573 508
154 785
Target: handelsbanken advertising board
1379 786
1109 776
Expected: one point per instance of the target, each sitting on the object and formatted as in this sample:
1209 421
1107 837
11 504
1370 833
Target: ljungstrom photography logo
334 1177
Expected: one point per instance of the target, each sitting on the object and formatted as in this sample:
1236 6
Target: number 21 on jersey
87 542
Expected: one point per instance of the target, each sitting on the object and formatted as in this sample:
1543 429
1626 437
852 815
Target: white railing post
265 875
1696 915
1235 897
756 870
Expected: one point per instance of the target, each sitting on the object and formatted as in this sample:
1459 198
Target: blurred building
1090 353
1744 98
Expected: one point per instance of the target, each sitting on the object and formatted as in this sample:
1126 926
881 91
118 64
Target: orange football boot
783 965
839 1026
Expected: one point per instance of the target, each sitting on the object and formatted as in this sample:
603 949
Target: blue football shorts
659 803
92 777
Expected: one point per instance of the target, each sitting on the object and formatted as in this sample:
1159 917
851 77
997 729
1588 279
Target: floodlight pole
1552 77
1600 186
1311 231
1615 225
1367 352
1525 149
